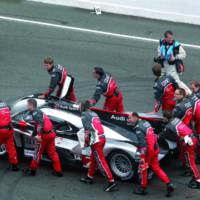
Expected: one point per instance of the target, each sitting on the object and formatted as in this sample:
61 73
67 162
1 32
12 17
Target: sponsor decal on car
28 153
118 118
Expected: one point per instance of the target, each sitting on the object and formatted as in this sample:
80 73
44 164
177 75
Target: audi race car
121 146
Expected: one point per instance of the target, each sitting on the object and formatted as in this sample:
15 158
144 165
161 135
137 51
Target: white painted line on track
13 19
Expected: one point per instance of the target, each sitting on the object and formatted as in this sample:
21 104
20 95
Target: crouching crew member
95 138
148 154
107 86
45 139
164 88
7 135
189 142
58 77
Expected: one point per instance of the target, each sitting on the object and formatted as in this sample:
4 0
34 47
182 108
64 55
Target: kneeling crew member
189 143
58 77
95 138
7 135
45 139
148 154
107 86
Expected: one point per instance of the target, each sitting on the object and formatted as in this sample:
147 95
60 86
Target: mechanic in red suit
7 135
45 138
183 111
164 88
95 138
148 151
58 76
107 86
195 100
189 143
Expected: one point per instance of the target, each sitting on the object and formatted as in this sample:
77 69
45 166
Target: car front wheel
122 165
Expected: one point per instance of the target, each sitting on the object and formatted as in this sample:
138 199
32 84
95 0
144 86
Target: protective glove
188 140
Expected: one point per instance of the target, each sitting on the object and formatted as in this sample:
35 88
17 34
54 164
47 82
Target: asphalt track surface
23 46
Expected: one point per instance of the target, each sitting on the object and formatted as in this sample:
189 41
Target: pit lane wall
184 11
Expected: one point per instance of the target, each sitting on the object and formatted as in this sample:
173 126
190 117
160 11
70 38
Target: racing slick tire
122 165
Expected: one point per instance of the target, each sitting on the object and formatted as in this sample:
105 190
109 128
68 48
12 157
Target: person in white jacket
169 51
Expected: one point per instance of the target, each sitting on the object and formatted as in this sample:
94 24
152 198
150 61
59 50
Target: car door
66 137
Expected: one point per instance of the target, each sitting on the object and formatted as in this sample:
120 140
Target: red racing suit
164 89
196 117
7 133
108 87
183 111
183 132
58 76
149 151
196 112
95 138
45 130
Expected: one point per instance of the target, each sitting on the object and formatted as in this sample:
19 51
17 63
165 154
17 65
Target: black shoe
170 189
58 174
87 180
194 184
140 191
111 187
29 172
13 168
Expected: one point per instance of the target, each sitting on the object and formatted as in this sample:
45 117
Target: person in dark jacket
95 138
107 86
164 89
188 142
58 77
45 138
195 100
148 151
